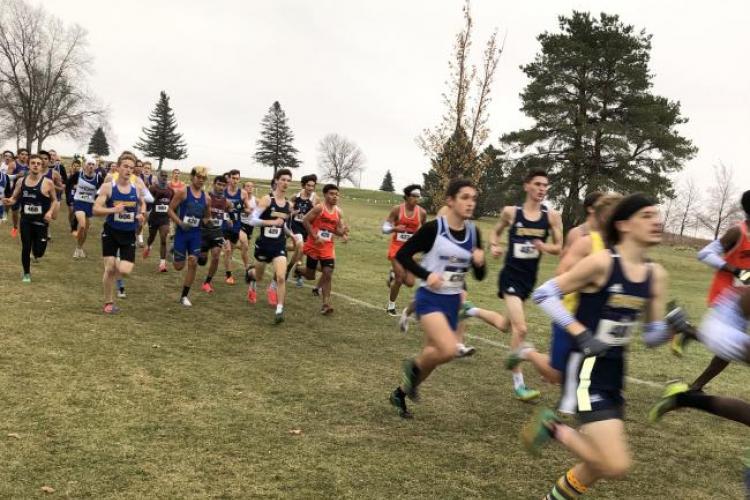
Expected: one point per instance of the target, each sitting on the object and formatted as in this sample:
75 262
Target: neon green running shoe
538 431
525 394
463 313
667 402
410 379
516 355
26 278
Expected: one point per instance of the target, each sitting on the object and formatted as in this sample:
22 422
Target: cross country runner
36 198
450 245
302 203
212 230
122 203
16 171
271 215
187 209
322 223
233 234
529 224
616 287
403 221
86 184
158 219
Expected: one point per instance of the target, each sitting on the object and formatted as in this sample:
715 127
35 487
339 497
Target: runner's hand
496 250
589 345
435 281
477 257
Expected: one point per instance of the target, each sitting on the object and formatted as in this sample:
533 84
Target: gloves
677 319
589 345
743 275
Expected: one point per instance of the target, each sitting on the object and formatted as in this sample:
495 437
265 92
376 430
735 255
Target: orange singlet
324 226
738 256
411 223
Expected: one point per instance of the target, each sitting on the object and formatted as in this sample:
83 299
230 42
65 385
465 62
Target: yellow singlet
570 301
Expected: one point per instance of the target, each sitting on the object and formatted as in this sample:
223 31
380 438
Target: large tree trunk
161 160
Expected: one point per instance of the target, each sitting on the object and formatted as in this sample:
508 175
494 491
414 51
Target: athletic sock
473 312
120 284
391 305
568 487
163 262
208 279
518 380
185 291
279 308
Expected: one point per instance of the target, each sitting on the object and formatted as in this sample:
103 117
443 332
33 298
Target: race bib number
215 222
525 250
32 209
161 209
615 333
227 217
246 218
125 217
743 280
325 235
191 221
453 280
271 231
403 236
86 197
299 217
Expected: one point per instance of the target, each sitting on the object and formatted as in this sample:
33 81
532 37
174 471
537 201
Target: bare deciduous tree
722 207
340 159
687 206
43 65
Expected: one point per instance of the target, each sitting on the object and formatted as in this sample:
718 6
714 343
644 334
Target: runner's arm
55 204
263 204
100 205
713 253
309 217
391 221
506 218
13 198
655 331
576 252
555 247
179 197
479 268
420 242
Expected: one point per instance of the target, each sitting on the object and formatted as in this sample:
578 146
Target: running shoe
146 252
326 309
76 254
392 311
252 295
162 268
299 282
272 296
316 291
516 355
525 394
26 278
403 322
278 318
539 430
229 280
186 302
121 294
14 232
668 401
398 399
111 309
409 379
140 241
207 287
465 351
82 253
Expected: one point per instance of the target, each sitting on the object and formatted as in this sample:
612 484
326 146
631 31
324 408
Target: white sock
279 308
460 347
517 380
272 285
391 305
163 262
473 312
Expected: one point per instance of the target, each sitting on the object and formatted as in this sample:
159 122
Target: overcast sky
374 71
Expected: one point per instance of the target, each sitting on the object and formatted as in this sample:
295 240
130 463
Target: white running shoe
403 322
464 351
77 253
186 302
121 294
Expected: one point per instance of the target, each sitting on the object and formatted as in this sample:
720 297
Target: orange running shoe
252 295
146 252
207 287
272 296
14 232
229 280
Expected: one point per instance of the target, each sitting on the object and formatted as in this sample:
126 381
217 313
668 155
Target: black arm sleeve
479 272
420 242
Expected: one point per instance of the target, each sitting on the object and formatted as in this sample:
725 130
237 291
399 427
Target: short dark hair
232 172
624 210
76 161
42 152
590 200
535 172
22 150
411 187
8 151
329 187
746 203
283 171
457 185
307 178
220 178
34 157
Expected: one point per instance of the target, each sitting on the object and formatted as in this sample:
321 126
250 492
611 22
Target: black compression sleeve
479 272
420 242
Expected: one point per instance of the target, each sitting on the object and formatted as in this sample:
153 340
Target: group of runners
605 286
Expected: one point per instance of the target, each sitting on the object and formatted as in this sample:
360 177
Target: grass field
215 401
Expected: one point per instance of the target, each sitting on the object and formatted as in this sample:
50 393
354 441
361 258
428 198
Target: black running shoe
398 399
410 379
316 291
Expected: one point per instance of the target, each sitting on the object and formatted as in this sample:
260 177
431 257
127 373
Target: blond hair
199 170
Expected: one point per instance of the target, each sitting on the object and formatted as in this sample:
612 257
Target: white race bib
191 221
85 197
125 217
215 222
324 235
453 280
227 217
32 209
271 231
615 333
525 250
403 236
161 209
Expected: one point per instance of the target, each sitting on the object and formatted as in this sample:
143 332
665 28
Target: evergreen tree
387 184
98 144
161 139
597 124
457 159
275 147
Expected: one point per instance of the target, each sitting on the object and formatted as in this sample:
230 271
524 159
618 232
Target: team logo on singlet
616 288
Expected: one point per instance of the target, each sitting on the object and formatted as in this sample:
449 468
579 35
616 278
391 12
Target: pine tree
456 160
387 184
598 124
275 147
98 144
161 139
